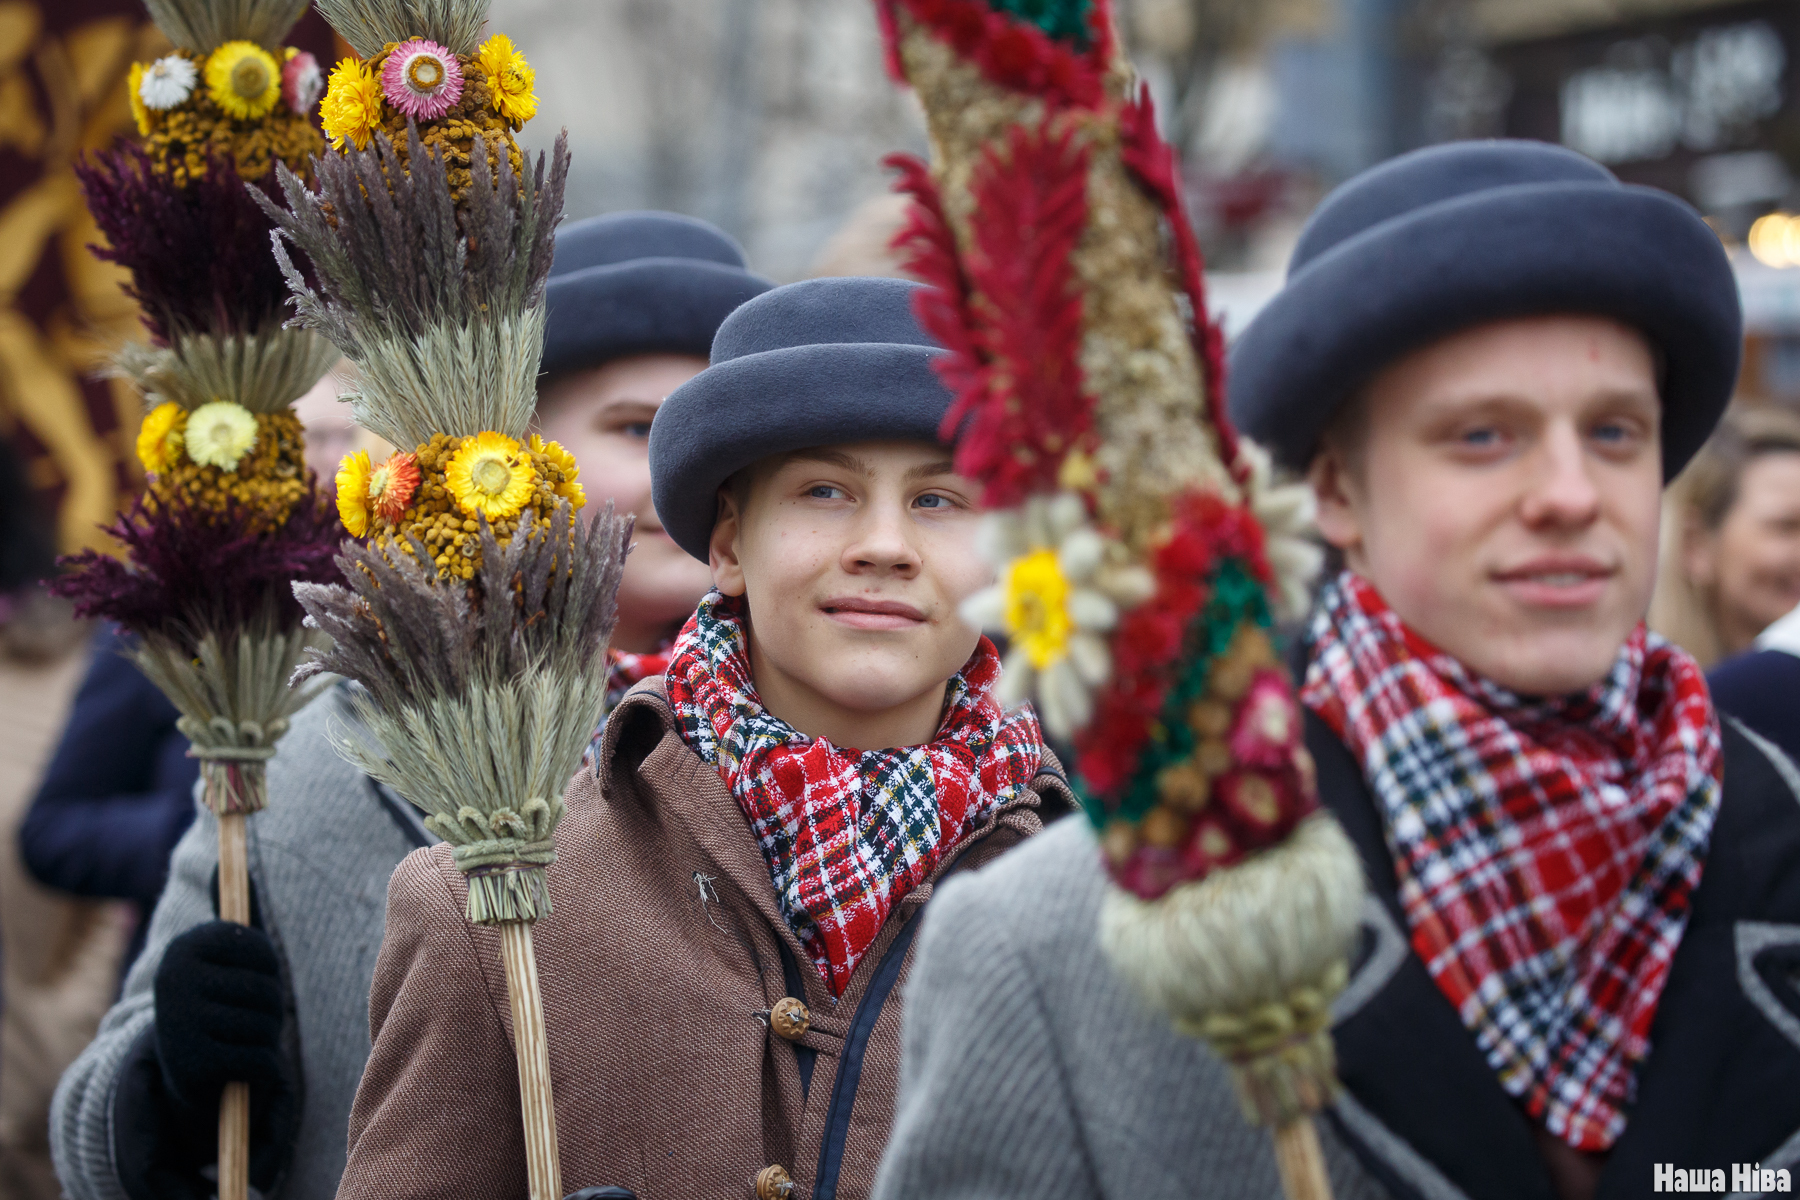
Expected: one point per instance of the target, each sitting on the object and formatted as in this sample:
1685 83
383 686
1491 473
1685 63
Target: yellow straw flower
243 79
353 492
219 434
1037 612
563 461
510 79
351 110
159 441
134 80
489 475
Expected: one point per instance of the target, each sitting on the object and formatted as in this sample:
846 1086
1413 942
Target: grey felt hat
641 283
1457 235
810 364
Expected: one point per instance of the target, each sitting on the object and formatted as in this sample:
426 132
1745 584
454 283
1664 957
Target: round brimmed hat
641 283
814 363
1458 235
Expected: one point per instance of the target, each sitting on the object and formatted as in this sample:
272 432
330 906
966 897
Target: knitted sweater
320 856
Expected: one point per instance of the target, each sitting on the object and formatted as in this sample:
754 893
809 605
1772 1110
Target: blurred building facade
767 117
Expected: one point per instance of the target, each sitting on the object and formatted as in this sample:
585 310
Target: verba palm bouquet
1140 546
478 608
230 516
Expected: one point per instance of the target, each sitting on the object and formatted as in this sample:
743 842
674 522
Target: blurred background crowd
770 118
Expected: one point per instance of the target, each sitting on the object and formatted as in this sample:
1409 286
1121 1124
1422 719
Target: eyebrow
849 462
927 470
835 458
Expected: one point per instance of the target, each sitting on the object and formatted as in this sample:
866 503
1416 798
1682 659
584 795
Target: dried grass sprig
480 696
192 571
231 688
440 304
406 636
369 25
198 251
203 25
264 371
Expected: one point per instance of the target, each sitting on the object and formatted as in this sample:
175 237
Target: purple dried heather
192 570
198 253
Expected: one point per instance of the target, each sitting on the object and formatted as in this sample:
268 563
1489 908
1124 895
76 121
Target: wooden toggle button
774 1183
790 1018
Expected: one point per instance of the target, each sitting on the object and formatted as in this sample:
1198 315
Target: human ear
1337 516
722 548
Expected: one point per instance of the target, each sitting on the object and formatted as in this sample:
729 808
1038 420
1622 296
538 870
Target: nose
882 544
1562 494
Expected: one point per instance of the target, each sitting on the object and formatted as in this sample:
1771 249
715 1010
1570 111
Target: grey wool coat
1031 1070
320 856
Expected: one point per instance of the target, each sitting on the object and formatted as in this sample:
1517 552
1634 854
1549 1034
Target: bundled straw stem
202 26
1250 958
368 25
439 301
264 371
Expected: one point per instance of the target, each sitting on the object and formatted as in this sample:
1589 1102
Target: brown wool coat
664 946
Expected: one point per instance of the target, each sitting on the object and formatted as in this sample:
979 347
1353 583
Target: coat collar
1426 1113
641 743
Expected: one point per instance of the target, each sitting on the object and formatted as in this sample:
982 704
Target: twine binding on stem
1283 1063
504 853
235 783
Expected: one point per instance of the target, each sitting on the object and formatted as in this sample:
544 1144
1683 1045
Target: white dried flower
167 82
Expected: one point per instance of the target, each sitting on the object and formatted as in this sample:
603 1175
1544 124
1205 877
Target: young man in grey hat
634 301
740 876
1577 976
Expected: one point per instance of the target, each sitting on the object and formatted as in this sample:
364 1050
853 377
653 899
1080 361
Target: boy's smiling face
854 559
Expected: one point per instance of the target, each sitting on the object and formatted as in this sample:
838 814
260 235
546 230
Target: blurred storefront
1699 98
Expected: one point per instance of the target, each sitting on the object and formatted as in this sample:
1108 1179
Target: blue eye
1480 437
824 491
637 429
932 500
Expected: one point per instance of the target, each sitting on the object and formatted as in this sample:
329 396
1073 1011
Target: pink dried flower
422 79
1149 872
302 82
1267 724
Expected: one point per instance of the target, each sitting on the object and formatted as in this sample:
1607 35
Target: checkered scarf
846 834
1547 850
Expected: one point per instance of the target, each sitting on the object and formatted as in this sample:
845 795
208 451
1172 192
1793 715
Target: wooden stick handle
542 1168
1299 1159
234 1102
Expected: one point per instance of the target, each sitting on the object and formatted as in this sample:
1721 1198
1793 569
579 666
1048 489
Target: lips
1558 581
863 612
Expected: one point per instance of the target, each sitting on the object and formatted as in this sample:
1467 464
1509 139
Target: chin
867 687
1548 665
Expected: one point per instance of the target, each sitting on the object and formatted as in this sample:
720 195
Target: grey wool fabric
320 856
1011 1001
814 363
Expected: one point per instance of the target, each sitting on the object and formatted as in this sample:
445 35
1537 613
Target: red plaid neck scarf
1547 850
846 834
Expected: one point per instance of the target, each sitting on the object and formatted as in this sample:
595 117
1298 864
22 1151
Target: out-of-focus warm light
1775 240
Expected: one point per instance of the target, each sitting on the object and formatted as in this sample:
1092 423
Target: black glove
605 1193
218 1018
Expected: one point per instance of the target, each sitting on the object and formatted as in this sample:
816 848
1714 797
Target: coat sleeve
984 1108
82 1130
117 794
437 1112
